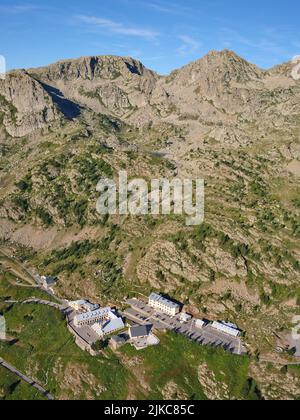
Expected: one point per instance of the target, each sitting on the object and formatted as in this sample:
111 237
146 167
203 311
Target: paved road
52 294
54 305
23 274
44 302
32 383
31 276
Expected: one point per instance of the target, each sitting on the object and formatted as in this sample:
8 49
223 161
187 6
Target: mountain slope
220 118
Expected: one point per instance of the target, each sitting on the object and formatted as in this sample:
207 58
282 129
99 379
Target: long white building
226 328
90 318
164 305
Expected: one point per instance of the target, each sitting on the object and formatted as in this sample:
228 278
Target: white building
164 305
109 327
90 318
226 328
84 306
199 323
46 281
184 317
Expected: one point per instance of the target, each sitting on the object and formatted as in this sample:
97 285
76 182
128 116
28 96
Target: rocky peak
220 81
219 67
93 68
24 104
105 84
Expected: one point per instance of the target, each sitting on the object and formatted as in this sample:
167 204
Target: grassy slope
10 290
43 342
179 360
12 388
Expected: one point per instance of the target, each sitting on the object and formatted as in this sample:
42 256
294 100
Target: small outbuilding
46 281
116 342
184 317
199 323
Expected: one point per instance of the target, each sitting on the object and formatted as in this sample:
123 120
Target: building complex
102 321
91 323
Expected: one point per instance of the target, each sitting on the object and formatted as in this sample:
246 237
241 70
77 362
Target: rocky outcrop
222 85
110 85
25 106
94 68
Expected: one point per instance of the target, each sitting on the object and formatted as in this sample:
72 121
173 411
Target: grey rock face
24 104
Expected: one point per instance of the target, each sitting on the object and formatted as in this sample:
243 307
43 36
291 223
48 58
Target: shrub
45 217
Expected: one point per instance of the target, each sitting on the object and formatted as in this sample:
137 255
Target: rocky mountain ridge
221 88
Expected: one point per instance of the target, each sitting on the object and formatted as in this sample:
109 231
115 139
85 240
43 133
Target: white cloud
168 8
119 28
18 8
265 42
190 45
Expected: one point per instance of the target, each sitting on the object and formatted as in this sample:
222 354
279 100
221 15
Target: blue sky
163 34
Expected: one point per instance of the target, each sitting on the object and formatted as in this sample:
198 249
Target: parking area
141 318
210 337
143 314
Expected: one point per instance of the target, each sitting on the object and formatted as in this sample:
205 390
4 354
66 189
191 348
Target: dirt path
13 266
